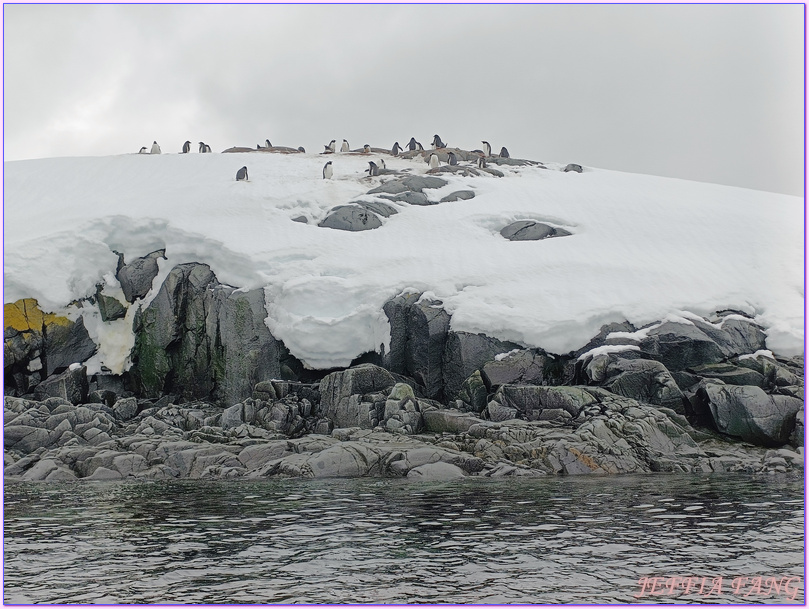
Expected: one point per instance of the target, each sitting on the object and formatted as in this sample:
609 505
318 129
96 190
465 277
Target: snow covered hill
641 247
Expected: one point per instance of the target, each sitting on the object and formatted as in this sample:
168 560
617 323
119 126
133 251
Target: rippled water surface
554 540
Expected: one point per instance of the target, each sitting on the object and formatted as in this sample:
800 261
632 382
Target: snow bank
641 248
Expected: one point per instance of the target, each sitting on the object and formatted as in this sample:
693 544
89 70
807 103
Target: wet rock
136 277
797 436
350 218
436 472
448 421
464 353
640 379
341 395
749 413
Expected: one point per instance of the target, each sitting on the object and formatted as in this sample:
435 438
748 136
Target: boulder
530 401
474 395
730 374
640 379
66 342
436 472
125 408
524 367
136 277
377 207
411 198
572 167
414 183
458 195
464 353
109 307
71 385
448 421
679 346
350 218
530 230
749 413
341 393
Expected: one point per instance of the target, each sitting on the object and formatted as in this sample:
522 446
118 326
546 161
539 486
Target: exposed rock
377 207
125 408
730 374
749 413
71 385
530 230
679 346
137 276
458 195
640 379
436 471
524 367
572 167
448 421
109 307
464 353
351 218
301 219
530 401
411 198
66 343
473 396
341 394
414 183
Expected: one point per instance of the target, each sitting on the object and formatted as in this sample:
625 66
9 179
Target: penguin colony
373 168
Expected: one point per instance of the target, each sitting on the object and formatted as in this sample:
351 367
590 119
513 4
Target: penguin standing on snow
203 147
301 149
373 169
504 152
382 164
155 148
330 147
437 143
267 142
186 147
366 149
344 147
143 150
434 161
453 160
328 172
481 162
487 148
241 174
412 144
396 149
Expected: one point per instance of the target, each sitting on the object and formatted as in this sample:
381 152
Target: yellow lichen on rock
25 315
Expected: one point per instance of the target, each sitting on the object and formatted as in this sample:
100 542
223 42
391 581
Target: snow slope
642 246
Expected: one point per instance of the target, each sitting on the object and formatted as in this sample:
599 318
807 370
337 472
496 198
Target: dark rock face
525 367
464 353
418 335
341 395
67 343
530 230
71 385
200 339
730 374
137 276
351 218
535 403
749 413
680 346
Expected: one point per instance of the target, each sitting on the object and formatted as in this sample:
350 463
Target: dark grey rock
458 195
525 367
640 379
530 230
434 472
125 408
137 276
572 167
109 307
464 353
67 343
414 183
378 207
474 394
411 198
301 219
350 218
341 393
679 346
730 374
449 421
71 385
529 401
749 413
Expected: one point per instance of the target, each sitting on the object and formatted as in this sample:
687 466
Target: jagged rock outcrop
344 398
464 353
201 339
136 277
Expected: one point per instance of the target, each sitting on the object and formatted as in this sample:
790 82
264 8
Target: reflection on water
555 540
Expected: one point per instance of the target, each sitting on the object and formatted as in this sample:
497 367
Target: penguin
259 147
301 149
331 146
155 149
366 149
420 147
328 172
267 142
481 162
396 149
143 150
453 160
186 147
372 169
202 147
487 148
344 147
437 143
504 152
207 148
434 161
382 164
241 174
412 144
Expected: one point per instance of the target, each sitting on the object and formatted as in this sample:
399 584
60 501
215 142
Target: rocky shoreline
212 394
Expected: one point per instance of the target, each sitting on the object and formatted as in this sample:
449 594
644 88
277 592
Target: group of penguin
412 145
203 147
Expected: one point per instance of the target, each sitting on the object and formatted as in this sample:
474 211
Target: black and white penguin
453 160
328 172
366 149
301 149
382 164
241 174
420 147
434 161
267 142
331 146
186 147
143 150
437 143
412 144
504 152
373 169
487 148
155 148
203 147
396 149
482 162
344 147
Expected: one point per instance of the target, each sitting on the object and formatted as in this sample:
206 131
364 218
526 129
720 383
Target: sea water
612 539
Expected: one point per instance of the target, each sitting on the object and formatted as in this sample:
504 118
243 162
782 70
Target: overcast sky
703 92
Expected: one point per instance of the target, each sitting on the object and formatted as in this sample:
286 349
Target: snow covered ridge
629 247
